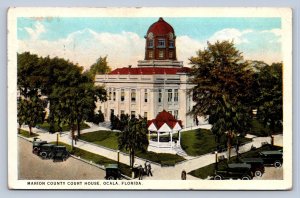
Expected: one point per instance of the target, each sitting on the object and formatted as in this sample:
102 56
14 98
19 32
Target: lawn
209 170
65 127
201 141
109 139
26 134
97 159
258 129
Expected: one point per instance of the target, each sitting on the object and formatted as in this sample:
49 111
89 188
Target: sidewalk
159 173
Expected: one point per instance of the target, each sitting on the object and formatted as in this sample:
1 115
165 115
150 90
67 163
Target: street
33 167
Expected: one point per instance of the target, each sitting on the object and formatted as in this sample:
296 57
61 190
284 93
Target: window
114 95
171 44
161 43
133 95
170 95
150 43
160 54
146 96
132 114
109 94
175 95
170 54
150 54
145 115
159 96
176 114
122 112
122 95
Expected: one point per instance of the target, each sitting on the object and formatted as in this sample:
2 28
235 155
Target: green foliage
71 94
224 89
31 111
269 100
107 139
100 67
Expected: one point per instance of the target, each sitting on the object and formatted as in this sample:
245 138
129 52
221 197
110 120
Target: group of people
144 171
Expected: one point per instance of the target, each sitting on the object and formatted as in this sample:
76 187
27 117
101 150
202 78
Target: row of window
160 54
161 43
172 95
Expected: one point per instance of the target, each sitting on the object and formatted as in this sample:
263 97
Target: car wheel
43 155
110 178
246 177
258 173
35 150
277 164
218 177
50 155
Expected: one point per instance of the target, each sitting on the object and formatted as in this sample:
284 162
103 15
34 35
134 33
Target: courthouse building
159 82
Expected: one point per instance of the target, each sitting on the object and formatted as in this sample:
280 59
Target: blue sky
83 40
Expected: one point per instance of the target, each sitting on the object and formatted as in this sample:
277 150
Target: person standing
183 175
149 169
140 172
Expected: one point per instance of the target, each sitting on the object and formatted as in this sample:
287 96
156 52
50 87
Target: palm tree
134 137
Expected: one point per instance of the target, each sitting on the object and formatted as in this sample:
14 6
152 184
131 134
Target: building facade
159 82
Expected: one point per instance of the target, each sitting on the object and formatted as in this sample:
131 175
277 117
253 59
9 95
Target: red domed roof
164 117
160 27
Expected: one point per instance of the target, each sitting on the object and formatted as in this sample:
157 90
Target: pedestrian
140 172
149 169
146 168
183 175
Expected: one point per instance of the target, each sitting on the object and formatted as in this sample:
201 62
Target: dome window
161 43
150 43
171 44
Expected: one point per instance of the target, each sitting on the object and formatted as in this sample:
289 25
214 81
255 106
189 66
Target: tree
134 137
223 89
269 100
31 111
100 67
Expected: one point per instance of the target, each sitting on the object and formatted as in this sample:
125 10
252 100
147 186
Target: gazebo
165 126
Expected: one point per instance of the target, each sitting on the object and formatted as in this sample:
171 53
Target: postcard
150 98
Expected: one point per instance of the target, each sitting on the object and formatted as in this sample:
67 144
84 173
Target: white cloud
276 35
35 32
236 35
85 46
186 48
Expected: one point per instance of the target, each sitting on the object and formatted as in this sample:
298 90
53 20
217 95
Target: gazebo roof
162 119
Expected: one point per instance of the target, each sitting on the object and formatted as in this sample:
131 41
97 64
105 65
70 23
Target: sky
83 40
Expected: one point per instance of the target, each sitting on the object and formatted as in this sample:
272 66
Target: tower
160 46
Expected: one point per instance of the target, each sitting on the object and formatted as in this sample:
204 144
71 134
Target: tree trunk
30 128
72 136
132 155
229 139
130 158
78 127
19 129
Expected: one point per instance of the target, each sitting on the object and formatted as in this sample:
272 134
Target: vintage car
234 171
36 144
112 172
272 158
46 151
257 165
60 153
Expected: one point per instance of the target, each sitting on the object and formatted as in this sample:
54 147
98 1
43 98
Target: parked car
112 172
272 158
257 165
235 171
36 144
60 153
46 151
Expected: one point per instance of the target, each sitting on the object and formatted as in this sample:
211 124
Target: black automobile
272 158
257 165
112 172
60 153
235 171
46 151
36 144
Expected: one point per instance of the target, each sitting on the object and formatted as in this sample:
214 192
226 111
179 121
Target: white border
284 13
